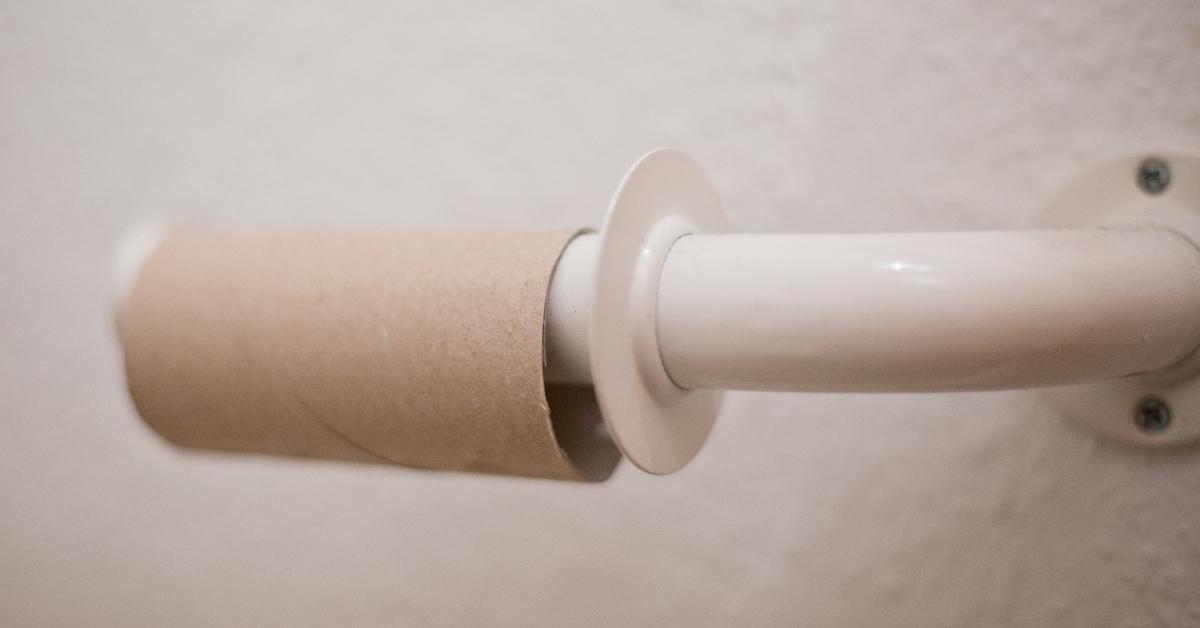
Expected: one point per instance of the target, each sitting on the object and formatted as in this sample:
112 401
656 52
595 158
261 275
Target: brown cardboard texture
418 349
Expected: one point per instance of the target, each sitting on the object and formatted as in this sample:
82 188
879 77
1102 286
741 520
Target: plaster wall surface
817 116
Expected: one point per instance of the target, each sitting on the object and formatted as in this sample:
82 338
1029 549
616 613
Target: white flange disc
1159 188
657 425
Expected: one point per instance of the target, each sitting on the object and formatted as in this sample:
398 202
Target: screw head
1152 416
1154 175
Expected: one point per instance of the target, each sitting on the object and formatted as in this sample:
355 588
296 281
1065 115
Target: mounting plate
1159 188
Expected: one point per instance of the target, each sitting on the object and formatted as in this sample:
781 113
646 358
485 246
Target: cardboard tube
418 349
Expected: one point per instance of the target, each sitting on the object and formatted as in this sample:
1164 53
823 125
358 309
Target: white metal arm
663 310
910 312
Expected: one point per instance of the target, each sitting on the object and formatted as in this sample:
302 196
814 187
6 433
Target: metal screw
1154 175
1153 415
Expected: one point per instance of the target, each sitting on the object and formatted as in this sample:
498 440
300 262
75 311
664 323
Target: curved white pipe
904 312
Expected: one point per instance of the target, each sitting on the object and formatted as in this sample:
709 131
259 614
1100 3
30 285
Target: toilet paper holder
662 310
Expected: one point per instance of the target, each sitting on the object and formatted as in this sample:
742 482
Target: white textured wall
803 509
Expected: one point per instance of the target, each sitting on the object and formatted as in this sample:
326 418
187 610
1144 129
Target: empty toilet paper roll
418 349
